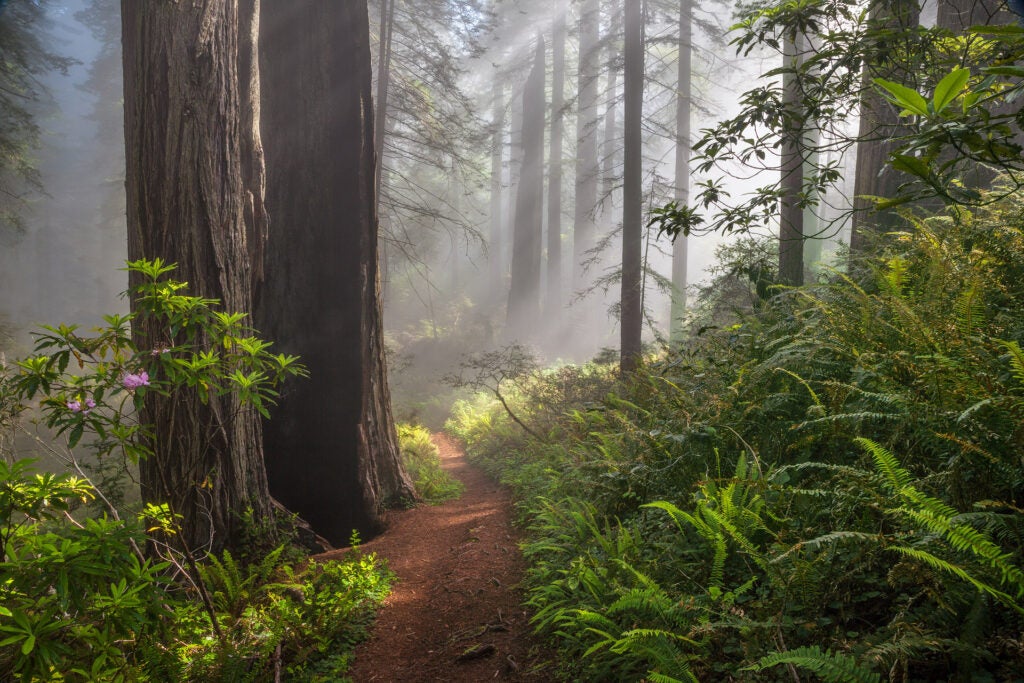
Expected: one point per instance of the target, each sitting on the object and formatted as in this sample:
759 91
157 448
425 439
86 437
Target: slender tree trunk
632 224
524 291
879 127
495 246
791 217
684 94
515 162
553 301
586 142
610 145
194 197
332 451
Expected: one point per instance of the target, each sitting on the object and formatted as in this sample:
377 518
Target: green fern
941 519
831 667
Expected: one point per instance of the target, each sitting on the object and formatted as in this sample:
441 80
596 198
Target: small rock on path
455 612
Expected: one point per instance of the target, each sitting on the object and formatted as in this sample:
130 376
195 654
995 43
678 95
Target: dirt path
455 612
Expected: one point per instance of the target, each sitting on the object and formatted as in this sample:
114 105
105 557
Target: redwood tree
632 198
331 447
193 181
524 291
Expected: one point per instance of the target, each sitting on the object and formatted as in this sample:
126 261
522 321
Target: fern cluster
828 483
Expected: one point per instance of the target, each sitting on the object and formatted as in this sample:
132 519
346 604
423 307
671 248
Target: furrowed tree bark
631 322
331 447
524 292
194 197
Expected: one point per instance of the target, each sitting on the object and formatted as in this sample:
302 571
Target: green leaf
1004 30
910 164
28 645
949 88
908 98
1004 71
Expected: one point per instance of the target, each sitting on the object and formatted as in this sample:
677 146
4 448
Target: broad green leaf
908 98
949 88
1004 70
909 164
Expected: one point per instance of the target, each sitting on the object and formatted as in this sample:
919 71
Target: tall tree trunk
553 300
791 217
879 127
495 246
684 103
194 197
610 144
631 323
331 448
586 141
524 291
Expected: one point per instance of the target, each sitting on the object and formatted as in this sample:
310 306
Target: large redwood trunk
331 448
194 173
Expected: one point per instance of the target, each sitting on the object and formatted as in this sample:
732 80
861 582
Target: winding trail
455 612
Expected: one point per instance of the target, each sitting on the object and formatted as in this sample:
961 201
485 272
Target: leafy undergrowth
95 589
422 461
828 483
78 602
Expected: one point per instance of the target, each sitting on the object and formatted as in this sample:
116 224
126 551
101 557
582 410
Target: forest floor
455 612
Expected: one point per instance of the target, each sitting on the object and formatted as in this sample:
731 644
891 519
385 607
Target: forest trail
455 613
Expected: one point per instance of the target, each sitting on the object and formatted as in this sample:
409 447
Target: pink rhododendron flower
133 381
74 406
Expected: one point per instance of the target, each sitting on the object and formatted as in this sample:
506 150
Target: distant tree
684 104
631 308
495 242
24 58
524 293
791 183
586 140
553 298
194 198
331 448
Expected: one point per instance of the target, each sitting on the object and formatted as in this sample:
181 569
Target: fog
447 222
63 267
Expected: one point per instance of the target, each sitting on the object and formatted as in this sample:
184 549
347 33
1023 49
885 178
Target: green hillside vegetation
832 484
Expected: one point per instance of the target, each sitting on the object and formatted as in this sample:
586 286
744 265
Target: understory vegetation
422 461
96 587
828 485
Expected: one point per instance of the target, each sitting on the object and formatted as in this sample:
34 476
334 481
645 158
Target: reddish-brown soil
455 613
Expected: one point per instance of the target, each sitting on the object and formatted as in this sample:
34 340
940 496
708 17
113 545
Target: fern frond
958 571
886 464
1016 358
970 309
831 667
